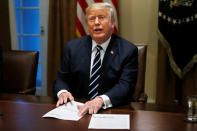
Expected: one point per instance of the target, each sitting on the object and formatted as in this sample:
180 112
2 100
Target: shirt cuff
107 101
61 91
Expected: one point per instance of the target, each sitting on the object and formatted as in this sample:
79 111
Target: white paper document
109 121
67 111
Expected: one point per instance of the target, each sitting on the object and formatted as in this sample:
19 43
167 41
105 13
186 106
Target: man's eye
91 18
101 17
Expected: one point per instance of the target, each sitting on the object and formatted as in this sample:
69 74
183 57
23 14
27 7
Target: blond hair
102 5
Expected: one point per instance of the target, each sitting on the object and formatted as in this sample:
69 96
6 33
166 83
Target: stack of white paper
67 111
70 111
109 121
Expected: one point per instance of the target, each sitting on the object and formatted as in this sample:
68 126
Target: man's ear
113 24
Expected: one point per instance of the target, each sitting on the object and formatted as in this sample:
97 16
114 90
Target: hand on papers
67 111
70 111
91 107
64 98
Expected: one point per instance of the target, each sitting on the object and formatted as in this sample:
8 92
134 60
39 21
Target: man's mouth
98 29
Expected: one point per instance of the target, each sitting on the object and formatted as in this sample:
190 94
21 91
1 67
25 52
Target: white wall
138 24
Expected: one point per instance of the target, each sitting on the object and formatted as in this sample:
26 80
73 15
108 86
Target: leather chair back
139 94
19 71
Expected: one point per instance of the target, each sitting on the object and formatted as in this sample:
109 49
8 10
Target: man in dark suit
103 60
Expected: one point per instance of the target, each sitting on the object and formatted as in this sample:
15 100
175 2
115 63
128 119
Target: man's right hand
64 98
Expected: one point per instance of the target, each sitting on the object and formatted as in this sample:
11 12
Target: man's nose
97 21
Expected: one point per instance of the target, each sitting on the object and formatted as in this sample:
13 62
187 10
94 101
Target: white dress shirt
106 100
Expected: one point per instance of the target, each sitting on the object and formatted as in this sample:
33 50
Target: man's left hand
91 107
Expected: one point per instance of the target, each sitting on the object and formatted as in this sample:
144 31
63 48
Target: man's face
100 25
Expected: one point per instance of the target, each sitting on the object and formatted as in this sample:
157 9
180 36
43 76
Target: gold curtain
61 28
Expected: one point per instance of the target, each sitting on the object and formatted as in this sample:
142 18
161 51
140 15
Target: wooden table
26 115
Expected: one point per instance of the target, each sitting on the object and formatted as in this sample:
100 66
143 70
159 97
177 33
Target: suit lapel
87 55
85 61
111 52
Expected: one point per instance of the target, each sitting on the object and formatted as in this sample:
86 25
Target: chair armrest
28 91
143 98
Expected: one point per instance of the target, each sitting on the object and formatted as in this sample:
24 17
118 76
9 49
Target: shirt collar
103 45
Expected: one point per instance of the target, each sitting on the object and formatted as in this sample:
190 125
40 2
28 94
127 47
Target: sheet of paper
109 121
67 111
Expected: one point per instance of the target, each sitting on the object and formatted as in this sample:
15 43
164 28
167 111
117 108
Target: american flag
81 7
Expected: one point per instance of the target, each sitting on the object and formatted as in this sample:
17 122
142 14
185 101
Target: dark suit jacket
119 69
